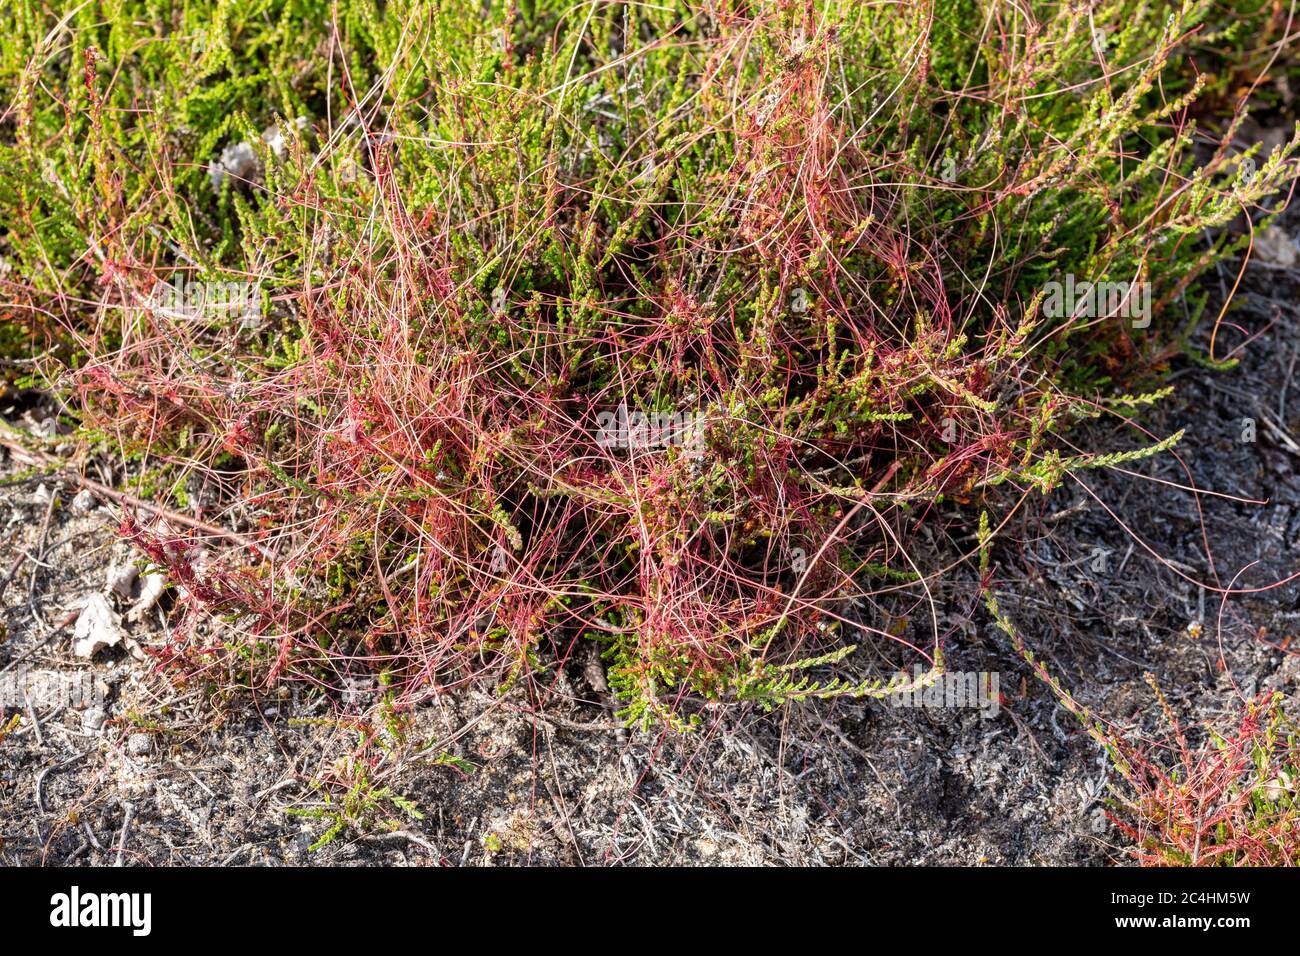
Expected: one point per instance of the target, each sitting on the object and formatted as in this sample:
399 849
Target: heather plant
352 796
1229 801
822 233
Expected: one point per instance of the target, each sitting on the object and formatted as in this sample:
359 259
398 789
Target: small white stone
97 627
237 160
1274 246
153 584
120 579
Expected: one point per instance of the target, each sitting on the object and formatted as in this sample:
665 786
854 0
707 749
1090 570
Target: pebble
92 719
137 745
1274 246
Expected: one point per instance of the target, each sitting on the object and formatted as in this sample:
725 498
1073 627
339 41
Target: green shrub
817 240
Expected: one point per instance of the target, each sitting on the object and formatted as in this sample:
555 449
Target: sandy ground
156 776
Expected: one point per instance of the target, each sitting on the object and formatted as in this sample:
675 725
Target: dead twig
90 835
406 835
128 816
13 572
595 726
67 619
36 721
124 500
40 777
230 857
38 557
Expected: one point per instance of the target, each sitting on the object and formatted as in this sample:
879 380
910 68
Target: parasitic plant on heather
661 327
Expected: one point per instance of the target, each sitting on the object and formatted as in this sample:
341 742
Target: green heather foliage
823 228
